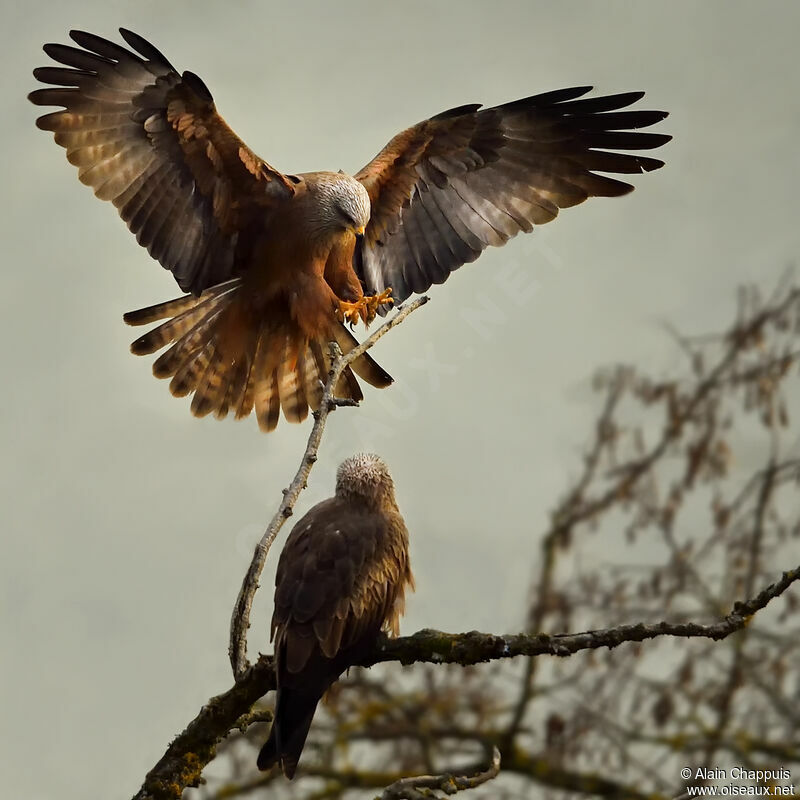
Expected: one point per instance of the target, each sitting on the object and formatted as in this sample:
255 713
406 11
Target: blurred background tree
622 722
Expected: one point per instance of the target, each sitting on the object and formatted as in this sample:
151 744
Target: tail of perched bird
300 691
294 711
235 358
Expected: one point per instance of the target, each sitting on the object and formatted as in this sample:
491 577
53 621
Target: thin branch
448 783
196 746
540 769
550 543
545 772
240 620
191 750
472 648
733 682
627 475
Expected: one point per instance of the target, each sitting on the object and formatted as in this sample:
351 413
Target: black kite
341 579
276 263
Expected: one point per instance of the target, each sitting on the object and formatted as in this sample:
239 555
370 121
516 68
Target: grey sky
128 523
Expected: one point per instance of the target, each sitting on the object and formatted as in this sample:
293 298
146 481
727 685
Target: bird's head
343 202
365 477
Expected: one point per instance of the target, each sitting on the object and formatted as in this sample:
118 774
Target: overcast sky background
127 523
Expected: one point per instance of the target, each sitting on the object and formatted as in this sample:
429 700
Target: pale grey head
365 476
342 202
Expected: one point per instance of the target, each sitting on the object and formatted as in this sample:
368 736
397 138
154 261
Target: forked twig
425 787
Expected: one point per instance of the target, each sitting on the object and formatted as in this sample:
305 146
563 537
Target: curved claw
374 302
365 309
351 313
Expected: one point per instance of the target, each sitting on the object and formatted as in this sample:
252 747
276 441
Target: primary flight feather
276 264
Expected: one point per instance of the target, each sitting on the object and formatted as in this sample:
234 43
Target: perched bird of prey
341 579
274 263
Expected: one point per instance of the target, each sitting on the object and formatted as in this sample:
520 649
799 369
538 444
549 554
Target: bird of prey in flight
341 579
275 264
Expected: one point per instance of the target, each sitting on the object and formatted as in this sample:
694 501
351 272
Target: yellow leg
374 302
365 309
351 313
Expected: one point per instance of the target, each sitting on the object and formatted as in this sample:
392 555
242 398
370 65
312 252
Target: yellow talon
351 312
365 309
374 302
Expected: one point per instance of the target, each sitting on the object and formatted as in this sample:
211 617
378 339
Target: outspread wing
340 576
151 141
447 188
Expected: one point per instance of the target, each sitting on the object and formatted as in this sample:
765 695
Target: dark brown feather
234 361
225 222
271 284
151 141
341 579
452 185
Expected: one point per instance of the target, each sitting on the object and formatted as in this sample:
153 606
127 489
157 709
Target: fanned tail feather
172 308
235 360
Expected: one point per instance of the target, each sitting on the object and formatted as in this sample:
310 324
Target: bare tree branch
240 620
611 714
196 746
543 594
191 750
448 783
474 648
543 771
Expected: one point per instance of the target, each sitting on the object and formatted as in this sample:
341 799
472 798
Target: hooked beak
359 231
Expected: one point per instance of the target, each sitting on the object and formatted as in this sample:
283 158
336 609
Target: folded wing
341 578
337 581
